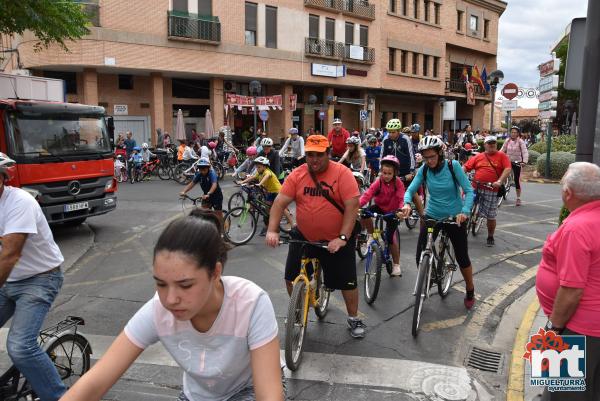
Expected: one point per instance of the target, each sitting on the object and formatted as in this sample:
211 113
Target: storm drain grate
486 360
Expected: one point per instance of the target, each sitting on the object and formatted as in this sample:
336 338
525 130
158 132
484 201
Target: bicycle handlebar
318 244
368 213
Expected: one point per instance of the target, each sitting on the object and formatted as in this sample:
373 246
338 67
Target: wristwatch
343 237
550 326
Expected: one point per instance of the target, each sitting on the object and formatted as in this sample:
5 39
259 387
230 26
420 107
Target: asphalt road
112 280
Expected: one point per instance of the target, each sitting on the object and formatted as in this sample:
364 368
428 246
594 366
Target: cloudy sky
528 29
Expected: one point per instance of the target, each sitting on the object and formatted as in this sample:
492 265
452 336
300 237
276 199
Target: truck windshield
34 135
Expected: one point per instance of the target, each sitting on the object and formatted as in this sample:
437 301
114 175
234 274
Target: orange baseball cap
316 143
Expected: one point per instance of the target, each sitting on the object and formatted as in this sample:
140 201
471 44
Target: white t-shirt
205 152
216 363
20 213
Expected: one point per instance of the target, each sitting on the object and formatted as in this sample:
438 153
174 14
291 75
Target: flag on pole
465 74
484 78
476 77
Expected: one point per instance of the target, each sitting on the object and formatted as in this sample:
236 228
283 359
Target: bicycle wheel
420 290
179 174
239 225
322 296
362 246
446 268
71 357
372 277
132 176
295 328
388 263
285 225
163 172
236 200
411 221
119 177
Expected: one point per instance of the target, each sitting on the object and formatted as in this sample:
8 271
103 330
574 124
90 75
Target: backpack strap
450 167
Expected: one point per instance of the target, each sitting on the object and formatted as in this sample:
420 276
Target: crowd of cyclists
332 180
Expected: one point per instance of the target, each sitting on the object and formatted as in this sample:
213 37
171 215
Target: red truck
64 156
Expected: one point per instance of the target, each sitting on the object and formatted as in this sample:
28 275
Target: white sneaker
396 271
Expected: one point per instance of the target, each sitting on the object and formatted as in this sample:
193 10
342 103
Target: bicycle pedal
451 266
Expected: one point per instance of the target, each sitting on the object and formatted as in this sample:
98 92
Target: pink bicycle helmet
251 151
212 145
393 160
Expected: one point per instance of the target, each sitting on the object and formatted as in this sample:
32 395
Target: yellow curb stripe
516 376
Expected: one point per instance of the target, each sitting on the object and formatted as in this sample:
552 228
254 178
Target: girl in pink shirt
516 150
387 193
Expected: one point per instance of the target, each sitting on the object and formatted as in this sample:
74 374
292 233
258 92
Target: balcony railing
338 51
457 85
194 27
359 8
356 8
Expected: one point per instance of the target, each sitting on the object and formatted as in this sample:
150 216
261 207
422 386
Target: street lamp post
312 99
254 87
441 101
494 79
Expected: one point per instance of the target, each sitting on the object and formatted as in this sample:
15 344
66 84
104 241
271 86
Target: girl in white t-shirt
221 330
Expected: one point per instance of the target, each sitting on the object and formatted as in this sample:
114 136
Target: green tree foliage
52 21
564 95
559 163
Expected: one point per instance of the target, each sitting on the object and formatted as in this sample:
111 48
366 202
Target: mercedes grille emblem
74 188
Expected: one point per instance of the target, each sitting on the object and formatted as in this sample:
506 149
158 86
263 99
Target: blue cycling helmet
137 148
415 127
204 162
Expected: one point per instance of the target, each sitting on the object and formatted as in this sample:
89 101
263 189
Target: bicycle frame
311 299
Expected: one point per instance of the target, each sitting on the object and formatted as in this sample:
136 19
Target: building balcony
355 8
458 86
330 49
192 27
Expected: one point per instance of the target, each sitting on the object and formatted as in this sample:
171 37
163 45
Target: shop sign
326 70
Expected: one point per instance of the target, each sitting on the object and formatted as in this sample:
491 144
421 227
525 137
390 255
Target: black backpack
450 167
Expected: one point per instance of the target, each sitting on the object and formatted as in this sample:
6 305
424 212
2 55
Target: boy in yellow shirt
267 180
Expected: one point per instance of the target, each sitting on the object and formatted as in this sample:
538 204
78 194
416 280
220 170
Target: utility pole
588 140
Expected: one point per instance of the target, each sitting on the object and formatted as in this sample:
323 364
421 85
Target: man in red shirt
337 139
491 166
320 220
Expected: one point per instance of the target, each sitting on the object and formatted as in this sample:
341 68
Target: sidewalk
519 388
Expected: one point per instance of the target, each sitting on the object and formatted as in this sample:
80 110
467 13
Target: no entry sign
510 91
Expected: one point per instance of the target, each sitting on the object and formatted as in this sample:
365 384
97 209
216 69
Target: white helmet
5 161
266 142
262 160
354 140
144 145
430 142
359 178
337 121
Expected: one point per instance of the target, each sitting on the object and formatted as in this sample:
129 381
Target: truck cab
63 157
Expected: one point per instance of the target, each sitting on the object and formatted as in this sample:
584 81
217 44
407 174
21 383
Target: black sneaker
490 241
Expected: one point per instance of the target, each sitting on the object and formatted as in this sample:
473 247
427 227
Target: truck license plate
76 206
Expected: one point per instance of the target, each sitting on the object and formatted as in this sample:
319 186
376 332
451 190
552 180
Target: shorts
339 269
488 203
390 225
458 238
270 196
215 202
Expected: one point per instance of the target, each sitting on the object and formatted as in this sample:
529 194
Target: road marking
523 223
516 264
542 201
485 308
444 324
516 381
521 236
